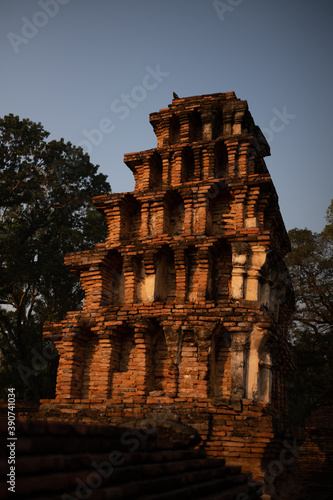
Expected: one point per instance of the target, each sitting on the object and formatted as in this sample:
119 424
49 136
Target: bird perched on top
175 96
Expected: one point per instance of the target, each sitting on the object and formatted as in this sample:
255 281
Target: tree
45 212
328 229
311 267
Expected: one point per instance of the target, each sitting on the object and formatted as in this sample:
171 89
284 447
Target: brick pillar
101 372
197 162
206 152
211 167
232 148
258 259
141 336
144 184
176 172
70 369
130 280
238 274
243 158
184 127
180 276
114 223
172 337
159 215
187 225
237 366
166 168
144 228
250 210
199 221
201 390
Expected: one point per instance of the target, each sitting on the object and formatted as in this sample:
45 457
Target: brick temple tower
187 303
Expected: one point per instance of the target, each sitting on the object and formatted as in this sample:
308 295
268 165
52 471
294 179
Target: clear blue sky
69 63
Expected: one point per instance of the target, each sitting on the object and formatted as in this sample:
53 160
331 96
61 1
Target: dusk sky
91 71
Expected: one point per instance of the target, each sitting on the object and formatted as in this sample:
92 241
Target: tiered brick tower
187 303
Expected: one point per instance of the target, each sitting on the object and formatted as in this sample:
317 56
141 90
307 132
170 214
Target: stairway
76 461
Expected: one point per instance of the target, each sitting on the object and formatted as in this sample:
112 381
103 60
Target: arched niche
144 280
220 159
188 164
217 123
219 271
158 376
130 218
165 279
195 125
174 213
115 288
87 371
174 129
220 365
219 210
124 363
155 170
152 222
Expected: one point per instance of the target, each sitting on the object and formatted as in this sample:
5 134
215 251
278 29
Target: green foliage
45 212
311 267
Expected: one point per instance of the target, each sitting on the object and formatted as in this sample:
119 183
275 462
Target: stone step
149 475
46 445
155 469
42 464
248 492
201 488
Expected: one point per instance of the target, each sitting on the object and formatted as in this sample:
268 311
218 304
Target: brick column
237 366
187 225
176 172
197 162
166 168
238 274
144 228
180 276
206 152
172 337
200 205
70 369
141 336
242 158
258 259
